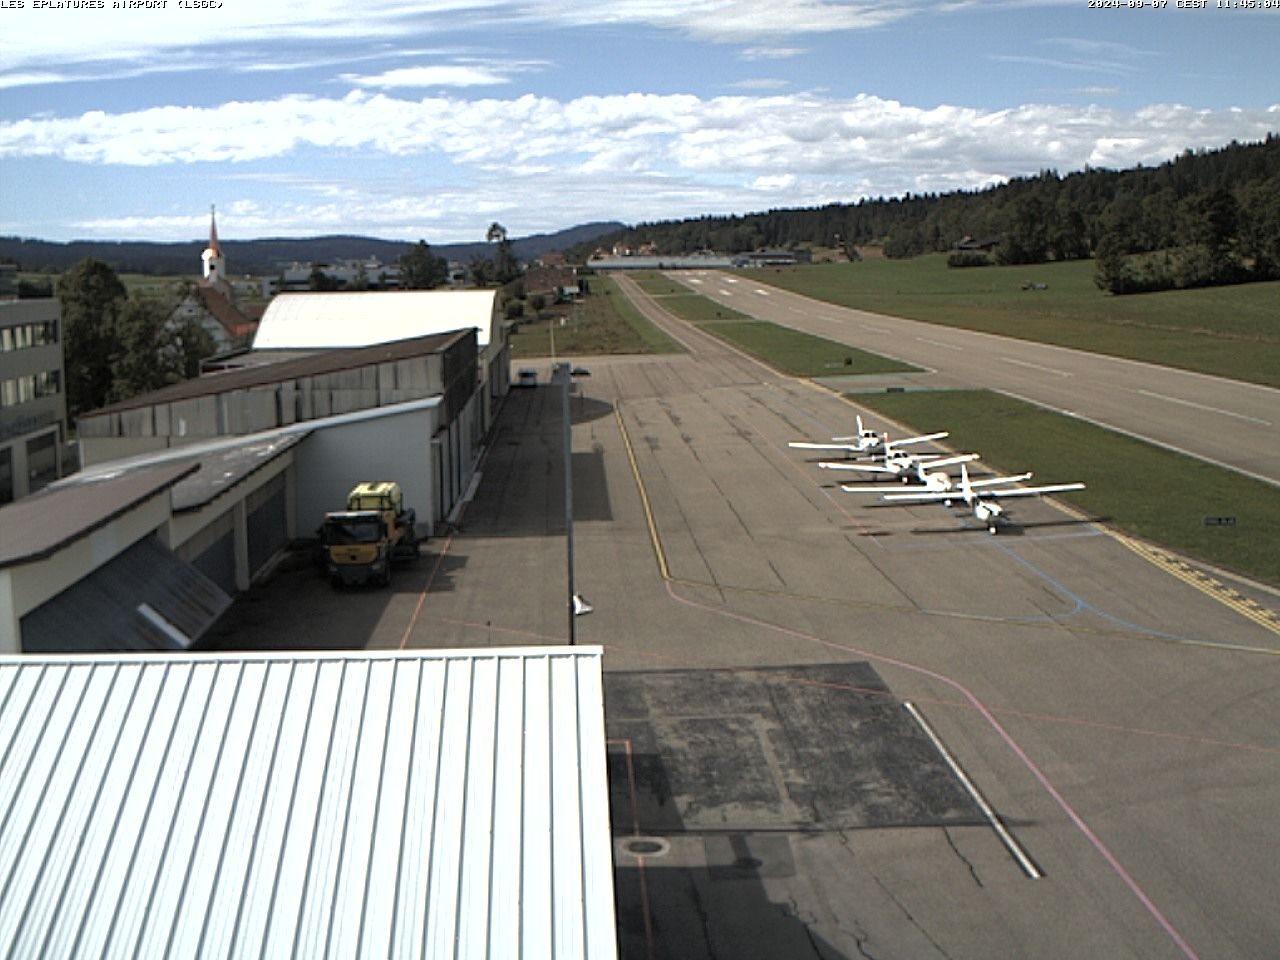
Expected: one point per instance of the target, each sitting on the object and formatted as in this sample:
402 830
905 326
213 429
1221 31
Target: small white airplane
865 441
923 467
979 495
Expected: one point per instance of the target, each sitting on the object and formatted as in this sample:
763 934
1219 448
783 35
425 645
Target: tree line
1205 217
117 344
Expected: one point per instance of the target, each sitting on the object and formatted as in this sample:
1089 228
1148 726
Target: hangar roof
444 803
41 524
307 365
302 320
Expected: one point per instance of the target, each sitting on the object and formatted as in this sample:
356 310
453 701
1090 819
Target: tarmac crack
951 842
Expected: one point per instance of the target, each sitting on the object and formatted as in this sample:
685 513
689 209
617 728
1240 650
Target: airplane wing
866 467
996 481
930 462
957 493
920 439
802 445
1033 491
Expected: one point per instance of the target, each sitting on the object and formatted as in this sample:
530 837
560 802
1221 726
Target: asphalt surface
772 795
1225 421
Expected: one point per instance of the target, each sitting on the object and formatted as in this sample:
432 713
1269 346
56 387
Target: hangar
216 476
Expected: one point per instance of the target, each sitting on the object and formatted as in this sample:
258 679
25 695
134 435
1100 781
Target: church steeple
214 264
213 231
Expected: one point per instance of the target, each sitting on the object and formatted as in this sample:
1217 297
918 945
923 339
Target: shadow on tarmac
714 774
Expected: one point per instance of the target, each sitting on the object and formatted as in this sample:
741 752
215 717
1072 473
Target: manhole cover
647 846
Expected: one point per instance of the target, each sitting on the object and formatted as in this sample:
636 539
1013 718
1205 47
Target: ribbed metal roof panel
444 804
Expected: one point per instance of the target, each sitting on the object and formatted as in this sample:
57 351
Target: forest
1207 217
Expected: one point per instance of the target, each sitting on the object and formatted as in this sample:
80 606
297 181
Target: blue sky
433 119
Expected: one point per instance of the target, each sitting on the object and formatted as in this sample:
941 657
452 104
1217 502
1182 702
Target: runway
1225 421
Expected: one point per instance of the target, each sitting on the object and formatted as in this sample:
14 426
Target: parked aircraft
924 467
982 496
866 442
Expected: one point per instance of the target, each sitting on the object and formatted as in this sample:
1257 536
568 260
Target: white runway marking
939 343
1015 849
1036 366
1201 406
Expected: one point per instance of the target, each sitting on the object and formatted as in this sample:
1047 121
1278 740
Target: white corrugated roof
317 320
447 803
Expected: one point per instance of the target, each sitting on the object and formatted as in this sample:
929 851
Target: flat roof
309 365
440 803
38 526
354 319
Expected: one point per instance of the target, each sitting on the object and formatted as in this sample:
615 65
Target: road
1225 421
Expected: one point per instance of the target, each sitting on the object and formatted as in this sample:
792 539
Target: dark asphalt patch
783 748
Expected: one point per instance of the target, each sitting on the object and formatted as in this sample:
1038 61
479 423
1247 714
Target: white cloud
663 133
632 157
456 75
762 83
36 41
771 53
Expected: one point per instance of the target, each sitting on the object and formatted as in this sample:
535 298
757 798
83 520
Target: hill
265 256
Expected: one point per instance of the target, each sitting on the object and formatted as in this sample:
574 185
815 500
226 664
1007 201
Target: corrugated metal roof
294 320
445 804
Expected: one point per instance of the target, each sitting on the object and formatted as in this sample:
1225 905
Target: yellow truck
362 542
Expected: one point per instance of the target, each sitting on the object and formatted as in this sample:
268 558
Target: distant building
976 245
368 274
693 261
772 258
212 304
33 404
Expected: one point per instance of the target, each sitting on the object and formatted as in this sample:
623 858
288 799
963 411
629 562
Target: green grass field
1226 331
1136 487
605 322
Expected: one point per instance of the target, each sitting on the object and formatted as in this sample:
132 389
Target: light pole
562 370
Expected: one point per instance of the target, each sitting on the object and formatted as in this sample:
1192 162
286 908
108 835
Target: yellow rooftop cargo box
376 495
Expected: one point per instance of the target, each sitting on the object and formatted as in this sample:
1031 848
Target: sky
128 120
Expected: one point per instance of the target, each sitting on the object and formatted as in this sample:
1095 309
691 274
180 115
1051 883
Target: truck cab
362 542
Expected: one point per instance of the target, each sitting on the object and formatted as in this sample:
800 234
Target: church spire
213 231
214 264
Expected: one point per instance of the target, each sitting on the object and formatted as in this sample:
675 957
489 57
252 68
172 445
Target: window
42 460
6 475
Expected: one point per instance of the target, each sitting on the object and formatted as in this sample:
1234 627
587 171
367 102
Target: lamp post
562 370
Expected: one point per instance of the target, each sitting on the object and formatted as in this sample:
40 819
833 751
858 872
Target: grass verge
605 322
1224 331
1136 487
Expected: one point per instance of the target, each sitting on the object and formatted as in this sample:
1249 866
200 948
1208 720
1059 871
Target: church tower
215 265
